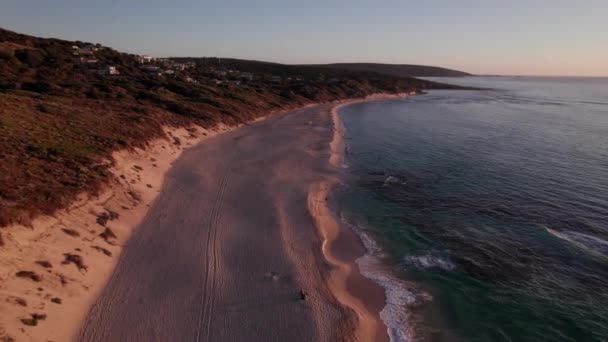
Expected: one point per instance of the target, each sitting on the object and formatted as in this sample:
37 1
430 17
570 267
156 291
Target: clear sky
540 37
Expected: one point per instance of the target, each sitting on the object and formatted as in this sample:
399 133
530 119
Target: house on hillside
276 79
152 70
246 75
112 70
145 59
84 52
108 70
91 47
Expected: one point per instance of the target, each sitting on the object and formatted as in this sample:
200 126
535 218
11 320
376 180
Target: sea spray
432 259
399 297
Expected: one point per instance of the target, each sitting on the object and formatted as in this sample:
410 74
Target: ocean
485 213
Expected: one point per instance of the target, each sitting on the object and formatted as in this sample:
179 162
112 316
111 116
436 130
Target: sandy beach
229 244
216 245
56 266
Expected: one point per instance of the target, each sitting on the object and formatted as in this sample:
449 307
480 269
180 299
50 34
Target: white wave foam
399 297
429 260
589 243
393 180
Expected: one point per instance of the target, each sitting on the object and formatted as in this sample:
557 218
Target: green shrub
31 57
42 108
8 85
38 87
7 55
178 109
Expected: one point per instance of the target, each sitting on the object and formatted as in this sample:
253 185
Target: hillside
335 69
66 106
398 70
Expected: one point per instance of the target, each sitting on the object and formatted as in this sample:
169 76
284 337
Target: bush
7 55
8 85
178 109
42 108
94 93
56 53
38 87
31 57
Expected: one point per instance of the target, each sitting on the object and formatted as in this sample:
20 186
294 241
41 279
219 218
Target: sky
516 37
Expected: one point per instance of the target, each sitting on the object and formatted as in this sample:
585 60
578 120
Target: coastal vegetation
400 70
66 106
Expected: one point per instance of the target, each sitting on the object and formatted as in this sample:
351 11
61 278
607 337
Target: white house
112 70
146 59
246 75
106 70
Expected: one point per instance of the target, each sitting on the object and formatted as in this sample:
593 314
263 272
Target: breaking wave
399 296
589 243
428 260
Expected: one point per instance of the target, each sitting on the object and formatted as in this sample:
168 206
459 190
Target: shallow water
491 207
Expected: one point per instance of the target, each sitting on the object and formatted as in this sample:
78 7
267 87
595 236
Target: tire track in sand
207 297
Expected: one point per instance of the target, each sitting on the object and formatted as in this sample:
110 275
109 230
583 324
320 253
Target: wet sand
240 227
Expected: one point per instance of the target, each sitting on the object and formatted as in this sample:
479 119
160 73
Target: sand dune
232 236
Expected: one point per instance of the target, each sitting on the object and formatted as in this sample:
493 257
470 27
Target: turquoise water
489 208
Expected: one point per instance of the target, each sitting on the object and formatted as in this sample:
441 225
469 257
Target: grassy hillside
65 106
399 70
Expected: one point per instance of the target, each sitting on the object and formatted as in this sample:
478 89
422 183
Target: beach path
227 246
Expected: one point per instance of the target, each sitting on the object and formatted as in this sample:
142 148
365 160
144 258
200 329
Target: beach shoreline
342 247
108 222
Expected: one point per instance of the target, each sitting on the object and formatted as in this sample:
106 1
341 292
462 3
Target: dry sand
64 292
224 243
